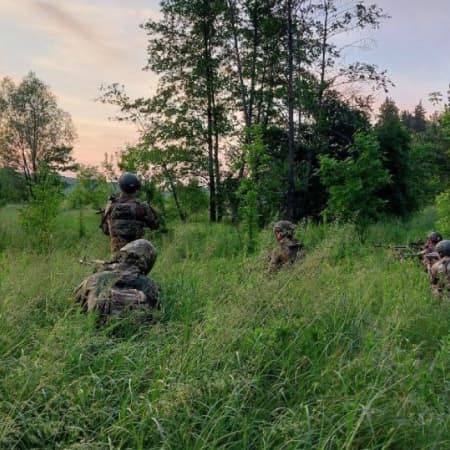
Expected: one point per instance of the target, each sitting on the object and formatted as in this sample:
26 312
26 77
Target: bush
38 217
353 184
443 209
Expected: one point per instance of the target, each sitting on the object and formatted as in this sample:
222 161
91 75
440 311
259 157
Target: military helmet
285 227
443 248
140 253
129 182
434 237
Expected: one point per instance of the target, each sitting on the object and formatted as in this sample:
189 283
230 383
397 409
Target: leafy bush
353 183
38 216
443 209
91 189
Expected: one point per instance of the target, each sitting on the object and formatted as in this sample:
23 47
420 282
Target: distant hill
69 182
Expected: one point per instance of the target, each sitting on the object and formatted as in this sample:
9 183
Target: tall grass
345 350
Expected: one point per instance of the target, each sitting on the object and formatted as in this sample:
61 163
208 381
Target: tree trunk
323 62
209 113
173 188
219 196
291 200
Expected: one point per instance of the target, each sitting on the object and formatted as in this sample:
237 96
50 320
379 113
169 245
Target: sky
76 46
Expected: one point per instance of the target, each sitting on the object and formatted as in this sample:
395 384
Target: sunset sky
76 46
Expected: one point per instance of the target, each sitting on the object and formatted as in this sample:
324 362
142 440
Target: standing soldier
126 216
440 271
289 250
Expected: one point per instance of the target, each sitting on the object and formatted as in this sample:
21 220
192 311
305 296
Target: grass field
345 350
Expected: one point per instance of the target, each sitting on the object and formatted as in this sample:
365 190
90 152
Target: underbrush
345 350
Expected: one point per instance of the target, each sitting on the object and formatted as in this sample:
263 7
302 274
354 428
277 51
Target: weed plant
345 350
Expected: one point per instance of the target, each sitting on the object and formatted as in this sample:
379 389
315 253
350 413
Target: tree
395 143
225 66
33 129
38 216
420 120
91 188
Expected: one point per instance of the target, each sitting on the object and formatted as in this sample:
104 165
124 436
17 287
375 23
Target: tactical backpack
126 219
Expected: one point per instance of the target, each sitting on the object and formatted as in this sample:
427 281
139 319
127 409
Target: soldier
440 271
122 285
289 250
126 216
429 255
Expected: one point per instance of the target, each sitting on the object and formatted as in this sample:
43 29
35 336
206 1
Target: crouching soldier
440 271
121 286
429 255
126 216
289 249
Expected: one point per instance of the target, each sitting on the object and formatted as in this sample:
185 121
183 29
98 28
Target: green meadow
347 349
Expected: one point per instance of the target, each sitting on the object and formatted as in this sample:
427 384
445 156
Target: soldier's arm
150 217
275 261
104 218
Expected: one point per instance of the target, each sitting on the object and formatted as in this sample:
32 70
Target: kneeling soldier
440 271
289 250
122 285
429 255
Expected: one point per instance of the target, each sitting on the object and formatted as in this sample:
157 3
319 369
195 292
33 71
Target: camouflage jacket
288 252
440 277
117 288
126 216
429 256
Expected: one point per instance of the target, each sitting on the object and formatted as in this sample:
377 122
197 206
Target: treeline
255 100
256 103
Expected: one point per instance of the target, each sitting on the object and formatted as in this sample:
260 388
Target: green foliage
395 143
443 209
91 189
250 191
444 122
38 216
13 188
425 176
192 198
353 184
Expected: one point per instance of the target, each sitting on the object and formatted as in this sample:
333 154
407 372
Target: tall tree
33 129
395 144
291 197
184 48
420 119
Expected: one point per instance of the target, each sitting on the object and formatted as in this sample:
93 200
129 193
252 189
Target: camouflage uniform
289 250
440 271
440 277
122 285
126 217
429 255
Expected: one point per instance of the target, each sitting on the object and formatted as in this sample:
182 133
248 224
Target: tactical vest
126 219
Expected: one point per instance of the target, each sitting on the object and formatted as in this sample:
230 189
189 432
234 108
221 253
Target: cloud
75 47
67 21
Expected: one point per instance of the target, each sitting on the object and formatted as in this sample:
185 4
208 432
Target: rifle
411 245
102 212
91 262
402 250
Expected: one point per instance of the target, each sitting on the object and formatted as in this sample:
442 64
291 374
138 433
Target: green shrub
443 210
38 216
